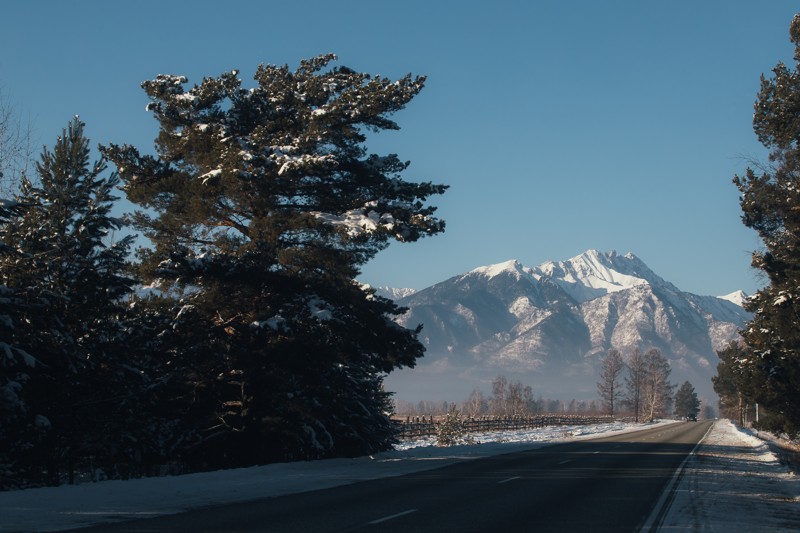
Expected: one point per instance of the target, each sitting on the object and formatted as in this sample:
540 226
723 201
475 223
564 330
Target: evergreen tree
770 202
734 380
263 204
686 403
451 431
17 424
609 387
71 280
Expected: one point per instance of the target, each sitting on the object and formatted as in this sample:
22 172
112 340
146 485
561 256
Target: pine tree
686 403
71 280
610 387
17 424
770 203
734 382
450 431
263 204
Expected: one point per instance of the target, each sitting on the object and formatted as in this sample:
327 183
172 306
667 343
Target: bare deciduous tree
476 404
610 387
15 147
510 398
634 382
497 403
657 390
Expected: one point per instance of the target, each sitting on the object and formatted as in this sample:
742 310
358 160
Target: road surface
614 483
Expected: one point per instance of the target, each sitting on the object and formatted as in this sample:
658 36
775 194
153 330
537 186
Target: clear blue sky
559 125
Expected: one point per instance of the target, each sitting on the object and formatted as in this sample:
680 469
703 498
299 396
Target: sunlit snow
512 267
733 483
358 221
593 273
737 297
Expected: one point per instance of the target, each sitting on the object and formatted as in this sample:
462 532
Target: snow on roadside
487 442
734 483
67 507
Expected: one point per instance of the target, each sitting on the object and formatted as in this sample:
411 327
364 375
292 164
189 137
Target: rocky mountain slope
549 326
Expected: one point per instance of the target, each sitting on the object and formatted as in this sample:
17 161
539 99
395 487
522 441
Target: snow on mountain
394 293
594 274
512 267
551 324
738 297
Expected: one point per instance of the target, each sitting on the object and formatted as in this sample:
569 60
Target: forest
236 334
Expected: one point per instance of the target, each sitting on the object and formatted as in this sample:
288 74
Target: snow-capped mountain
738 297
394 293
594 274
549 326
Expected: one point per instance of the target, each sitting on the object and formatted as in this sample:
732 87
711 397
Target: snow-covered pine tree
71 279
450 431
770 202
263 204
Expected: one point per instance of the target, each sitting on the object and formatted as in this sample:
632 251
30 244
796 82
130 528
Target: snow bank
66 507
733 480
734 483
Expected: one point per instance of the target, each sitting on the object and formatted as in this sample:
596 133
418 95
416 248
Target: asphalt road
606 484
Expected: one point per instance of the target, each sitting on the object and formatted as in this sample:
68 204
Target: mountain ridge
554 322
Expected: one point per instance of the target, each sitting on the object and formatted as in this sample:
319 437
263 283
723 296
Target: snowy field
733 483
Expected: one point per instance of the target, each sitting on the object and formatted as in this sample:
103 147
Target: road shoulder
734 483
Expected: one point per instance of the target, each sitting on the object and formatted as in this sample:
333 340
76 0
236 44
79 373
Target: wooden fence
413 427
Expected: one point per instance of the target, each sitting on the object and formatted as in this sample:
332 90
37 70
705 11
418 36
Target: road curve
605 484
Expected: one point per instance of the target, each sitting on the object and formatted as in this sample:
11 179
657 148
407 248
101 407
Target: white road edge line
659 512
392 517
565 462
509 479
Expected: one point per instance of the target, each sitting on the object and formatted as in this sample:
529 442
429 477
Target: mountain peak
552 323
738 297
594 273
394 293
511 266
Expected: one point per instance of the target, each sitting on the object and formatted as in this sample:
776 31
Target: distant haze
548 326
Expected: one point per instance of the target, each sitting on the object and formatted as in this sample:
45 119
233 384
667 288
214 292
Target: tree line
646 391
236 334
638 387
508 398
764 368
640 383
